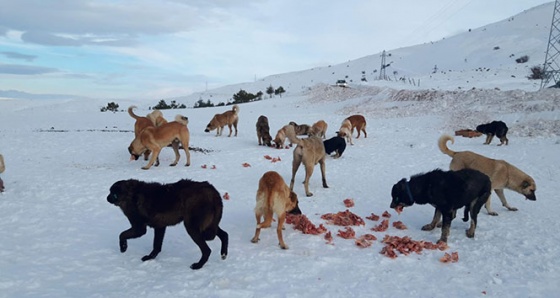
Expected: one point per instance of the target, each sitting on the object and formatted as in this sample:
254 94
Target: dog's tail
2 166
442 144
182 119
156 117
235 109
131 113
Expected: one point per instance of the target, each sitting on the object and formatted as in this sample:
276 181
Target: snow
59 235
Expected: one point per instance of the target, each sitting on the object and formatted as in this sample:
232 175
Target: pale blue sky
157 49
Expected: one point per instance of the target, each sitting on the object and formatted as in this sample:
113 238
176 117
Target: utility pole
551 67
382 75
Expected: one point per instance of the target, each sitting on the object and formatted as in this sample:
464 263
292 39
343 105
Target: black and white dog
335 144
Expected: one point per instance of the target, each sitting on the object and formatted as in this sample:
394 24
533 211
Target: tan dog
501 173
309 151
155 118
155 138
2 165
345 131
280 137
274 196
319 129
2 169
263 131
228 118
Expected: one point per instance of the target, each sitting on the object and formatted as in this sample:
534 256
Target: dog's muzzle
531 196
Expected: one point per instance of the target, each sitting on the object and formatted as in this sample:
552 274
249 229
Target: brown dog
319 129
300 129
274 196
359 123
263 131
309 151
228 118
155 138
501 173
155 118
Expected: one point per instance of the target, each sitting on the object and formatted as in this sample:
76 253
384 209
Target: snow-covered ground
59 236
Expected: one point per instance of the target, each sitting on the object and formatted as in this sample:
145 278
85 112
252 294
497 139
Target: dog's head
401 195
528 188
136 149
211 126
481 128
119 192
267 140
293 204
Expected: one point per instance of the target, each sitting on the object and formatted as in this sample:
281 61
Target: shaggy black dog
197 204
494 128
447 192
335 144
263 131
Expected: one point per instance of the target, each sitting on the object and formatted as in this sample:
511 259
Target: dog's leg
308 172
268 217
364 130
175 146
224 238
147 155
323 172
159 233
281 219
235 126
229 126
435 221
488 207
295 167
474 210
133 232
447 218
155 155
256 239
500 193
197 237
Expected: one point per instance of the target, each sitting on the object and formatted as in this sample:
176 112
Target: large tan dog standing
155 118
274 196
501 173
155 138
228 118
310 152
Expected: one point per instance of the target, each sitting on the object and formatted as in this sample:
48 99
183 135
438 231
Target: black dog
197 204
447 192
494 128
335 144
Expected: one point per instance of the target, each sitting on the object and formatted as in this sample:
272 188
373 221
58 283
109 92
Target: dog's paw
123 245
493 213
224 256
309 194
148 257
428 227
196 266
254 240
283 246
